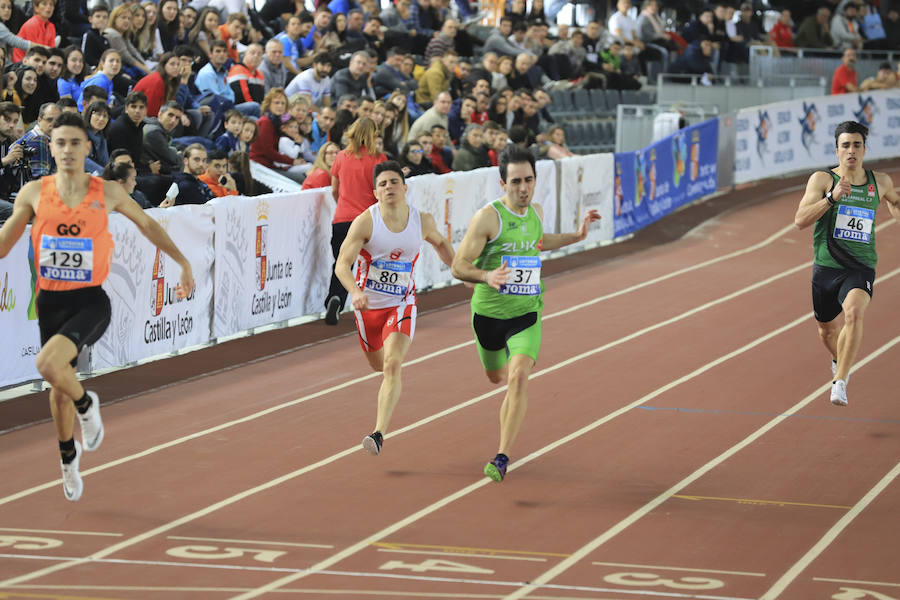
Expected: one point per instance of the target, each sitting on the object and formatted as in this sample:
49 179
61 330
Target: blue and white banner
799 134
670 173
586 184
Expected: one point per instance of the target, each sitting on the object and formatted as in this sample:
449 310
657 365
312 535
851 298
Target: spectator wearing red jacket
245 78
264 149
38 29
781 32
161 84
320 175
845 77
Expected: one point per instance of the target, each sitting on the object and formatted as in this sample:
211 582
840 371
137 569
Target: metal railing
635 122
815 62
731 93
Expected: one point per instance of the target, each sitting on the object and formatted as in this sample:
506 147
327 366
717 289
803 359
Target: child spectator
38 29
234 123
291 144
249 133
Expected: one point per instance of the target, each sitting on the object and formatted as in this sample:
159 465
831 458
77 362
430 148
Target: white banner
587 183
273 258
18 319
273 180
799 134
147 316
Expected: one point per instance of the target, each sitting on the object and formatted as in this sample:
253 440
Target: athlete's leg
512 411
376 360
395 348
850 337
828 333
498 375
54 363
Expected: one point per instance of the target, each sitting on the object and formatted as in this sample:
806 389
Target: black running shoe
372 443
332 309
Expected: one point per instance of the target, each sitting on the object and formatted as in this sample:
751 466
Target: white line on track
466 554
330 460
826 540
61 532
685 569
335 388
856 581
206 539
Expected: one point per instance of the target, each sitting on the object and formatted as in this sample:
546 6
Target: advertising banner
669 173
148 318
586 184
18 318
273 258
799 134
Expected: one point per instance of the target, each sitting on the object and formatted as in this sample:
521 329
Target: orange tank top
72 246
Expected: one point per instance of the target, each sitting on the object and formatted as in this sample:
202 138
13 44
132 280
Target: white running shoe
834 371
839 393
91 425
72 484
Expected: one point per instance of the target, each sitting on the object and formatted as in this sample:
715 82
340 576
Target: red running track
679 444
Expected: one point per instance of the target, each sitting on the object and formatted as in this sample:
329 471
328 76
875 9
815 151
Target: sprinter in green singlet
842 203
500 254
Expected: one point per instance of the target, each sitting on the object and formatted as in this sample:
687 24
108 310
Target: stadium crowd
189 93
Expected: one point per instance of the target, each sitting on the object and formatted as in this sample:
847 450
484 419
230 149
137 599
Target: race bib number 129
66 259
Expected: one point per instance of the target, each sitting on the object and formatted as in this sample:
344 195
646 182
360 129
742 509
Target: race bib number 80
854 223
389 277
66 259
525 276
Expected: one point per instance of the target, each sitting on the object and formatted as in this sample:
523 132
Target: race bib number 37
854 223
525 276
66 259
389 277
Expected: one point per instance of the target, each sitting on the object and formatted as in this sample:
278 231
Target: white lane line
856 581
826 540
352 382
61 532
331 459
691 570
465 554
358 574
264 543
582 552
434 507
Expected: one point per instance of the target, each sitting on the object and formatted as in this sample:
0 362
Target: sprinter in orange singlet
72 254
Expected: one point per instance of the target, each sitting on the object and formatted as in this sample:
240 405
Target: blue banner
652 182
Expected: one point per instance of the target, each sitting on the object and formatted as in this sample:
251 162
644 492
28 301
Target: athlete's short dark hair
850 127
69 119
387 166
514 155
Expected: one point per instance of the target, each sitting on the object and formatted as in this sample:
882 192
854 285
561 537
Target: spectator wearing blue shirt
234 123
212 78
41 161
320 23
69 82
110 65
290 39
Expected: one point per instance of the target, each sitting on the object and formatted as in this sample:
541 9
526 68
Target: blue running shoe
496 469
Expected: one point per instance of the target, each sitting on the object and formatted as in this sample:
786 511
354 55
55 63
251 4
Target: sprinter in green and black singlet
500 254
842 204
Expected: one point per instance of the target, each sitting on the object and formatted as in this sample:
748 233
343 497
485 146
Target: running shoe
496 469
72 484
834 371
839 393
372 443
332 310
91 425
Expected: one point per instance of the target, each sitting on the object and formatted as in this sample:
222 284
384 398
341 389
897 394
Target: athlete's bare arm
889 193
360 232
430 234
552 241
483 227
23 213
813 204
117 199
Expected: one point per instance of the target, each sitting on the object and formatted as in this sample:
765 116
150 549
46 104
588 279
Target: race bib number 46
66 259
389 277
854 223
525 276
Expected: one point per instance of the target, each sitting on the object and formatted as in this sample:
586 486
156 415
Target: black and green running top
518 245
844 237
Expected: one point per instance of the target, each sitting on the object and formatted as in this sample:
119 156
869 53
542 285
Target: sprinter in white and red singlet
384 241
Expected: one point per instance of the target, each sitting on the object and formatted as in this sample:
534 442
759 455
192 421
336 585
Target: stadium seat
598 100
582 101
630 97
613 100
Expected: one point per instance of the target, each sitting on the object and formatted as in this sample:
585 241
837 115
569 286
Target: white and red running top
384 269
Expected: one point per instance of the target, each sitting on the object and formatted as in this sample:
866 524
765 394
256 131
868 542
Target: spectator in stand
498 42
234 122
460 117
167 26
7 37
352 189
387 129
750 29
211 78
436 115
249 133
400 126
497 109
696 60
413 160
314 82
187 18
22 94
892 27
96 118
190 189
161 85
143 31
390 76
272 67
93 42
884 79
38 140
555 145
38 29
442 40
441 151
239 168
436 78
815 31
321 127
265 149
38 58
246 81
232 32
69 82
781 33
652 30
844 79
109 67
290 43
206 112
158 138
205 31
845 29
126 176
216 177
321 20
119 36
320 175
471 154
353 79
127 133
292 143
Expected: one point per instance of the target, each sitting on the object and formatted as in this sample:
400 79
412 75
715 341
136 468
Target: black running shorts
830 287
81 315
